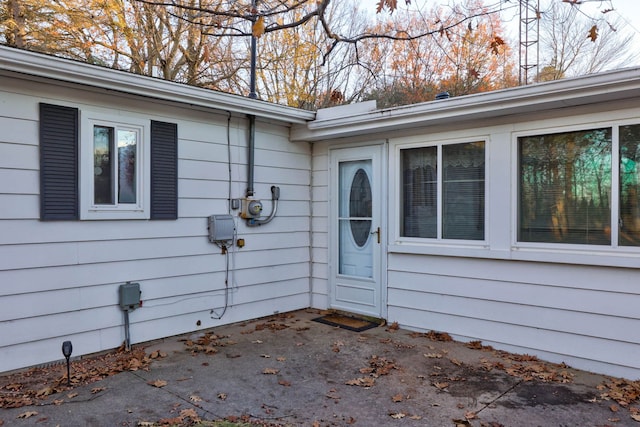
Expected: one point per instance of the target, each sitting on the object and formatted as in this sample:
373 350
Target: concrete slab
288 370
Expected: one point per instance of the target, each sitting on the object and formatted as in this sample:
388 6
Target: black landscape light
67 348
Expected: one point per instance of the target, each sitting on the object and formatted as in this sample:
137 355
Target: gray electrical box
221 228
130 296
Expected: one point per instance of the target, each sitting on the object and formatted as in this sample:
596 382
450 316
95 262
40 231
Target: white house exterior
510 217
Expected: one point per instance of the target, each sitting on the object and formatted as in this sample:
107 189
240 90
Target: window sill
604 258
114 214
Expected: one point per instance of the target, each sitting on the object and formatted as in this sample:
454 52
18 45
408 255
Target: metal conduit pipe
251 154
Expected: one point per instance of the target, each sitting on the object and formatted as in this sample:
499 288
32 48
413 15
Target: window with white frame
443 191
114 168
580 187
94 166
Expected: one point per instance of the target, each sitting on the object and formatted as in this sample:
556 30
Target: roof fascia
65 70
573 92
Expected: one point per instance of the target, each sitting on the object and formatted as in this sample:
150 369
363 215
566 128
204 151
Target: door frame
379 189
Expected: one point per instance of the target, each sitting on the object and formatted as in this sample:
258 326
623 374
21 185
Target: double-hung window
443 191
580 187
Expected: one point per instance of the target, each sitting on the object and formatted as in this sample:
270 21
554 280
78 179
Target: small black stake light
67 348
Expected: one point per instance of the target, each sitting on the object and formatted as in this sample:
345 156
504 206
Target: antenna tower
529 45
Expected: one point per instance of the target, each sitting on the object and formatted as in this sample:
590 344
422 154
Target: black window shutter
164 170
58 163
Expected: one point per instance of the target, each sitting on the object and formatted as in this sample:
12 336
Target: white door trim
378 155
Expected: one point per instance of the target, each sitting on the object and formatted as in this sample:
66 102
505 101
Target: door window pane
103 193
463 191
629 224
360 207
419 192
565 187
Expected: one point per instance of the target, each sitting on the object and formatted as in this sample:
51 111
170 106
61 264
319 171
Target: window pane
463 191
419 192
102 165
127 149
565 187
629 223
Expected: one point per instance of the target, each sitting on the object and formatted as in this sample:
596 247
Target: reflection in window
127 147
102 165
463 191
360 207
463 181
419 192
629 224
113 176
565 187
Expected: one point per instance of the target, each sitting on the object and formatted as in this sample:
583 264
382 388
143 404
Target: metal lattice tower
529 41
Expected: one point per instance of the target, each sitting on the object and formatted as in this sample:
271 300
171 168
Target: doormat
346 322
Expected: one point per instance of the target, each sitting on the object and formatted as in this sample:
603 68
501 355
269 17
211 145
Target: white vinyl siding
561 302
59 280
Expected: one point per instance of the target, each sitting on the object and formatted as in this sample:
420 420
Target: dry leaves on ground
208 343
29 386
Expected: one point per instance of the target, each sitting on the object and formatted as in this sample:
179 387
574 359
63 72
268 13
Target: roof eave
610 86
50 67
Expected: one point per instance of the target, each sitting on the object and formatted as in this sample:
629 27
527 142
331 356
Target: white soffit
579 91
75 72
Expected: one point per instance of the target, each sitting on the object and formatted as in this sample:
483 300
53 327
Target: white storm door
355 231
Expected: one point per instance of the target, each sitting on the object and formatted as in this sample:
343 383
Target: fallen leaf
635 417
284 383
256 342
397 398
281 359
433 355
415 417
614 408
96 390
190 413
441 386
195 398
266 356
45 392
270 371
146 423
470 415
158 383
72 395
222 396
362 382
456 362
27 414
58 402
398 415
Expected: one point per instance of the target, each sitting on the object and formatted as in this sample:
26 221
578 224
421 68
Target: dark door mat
346 322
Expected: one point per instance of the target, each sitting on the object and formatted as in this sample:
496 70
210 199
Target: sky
627 10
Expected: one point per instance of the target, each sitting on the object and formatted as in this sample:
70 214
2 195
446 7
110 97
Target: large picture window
629 223
446 202
567 191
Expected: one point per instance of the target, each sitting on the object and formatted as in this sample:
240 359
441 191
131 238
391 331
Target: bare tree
572 44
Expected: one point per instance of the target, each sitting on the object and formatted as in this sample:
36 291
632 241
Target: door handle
377 231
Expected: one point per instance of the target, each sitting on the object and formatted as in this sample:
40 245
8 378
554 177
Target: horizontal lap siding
585 316
319 226
60 280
